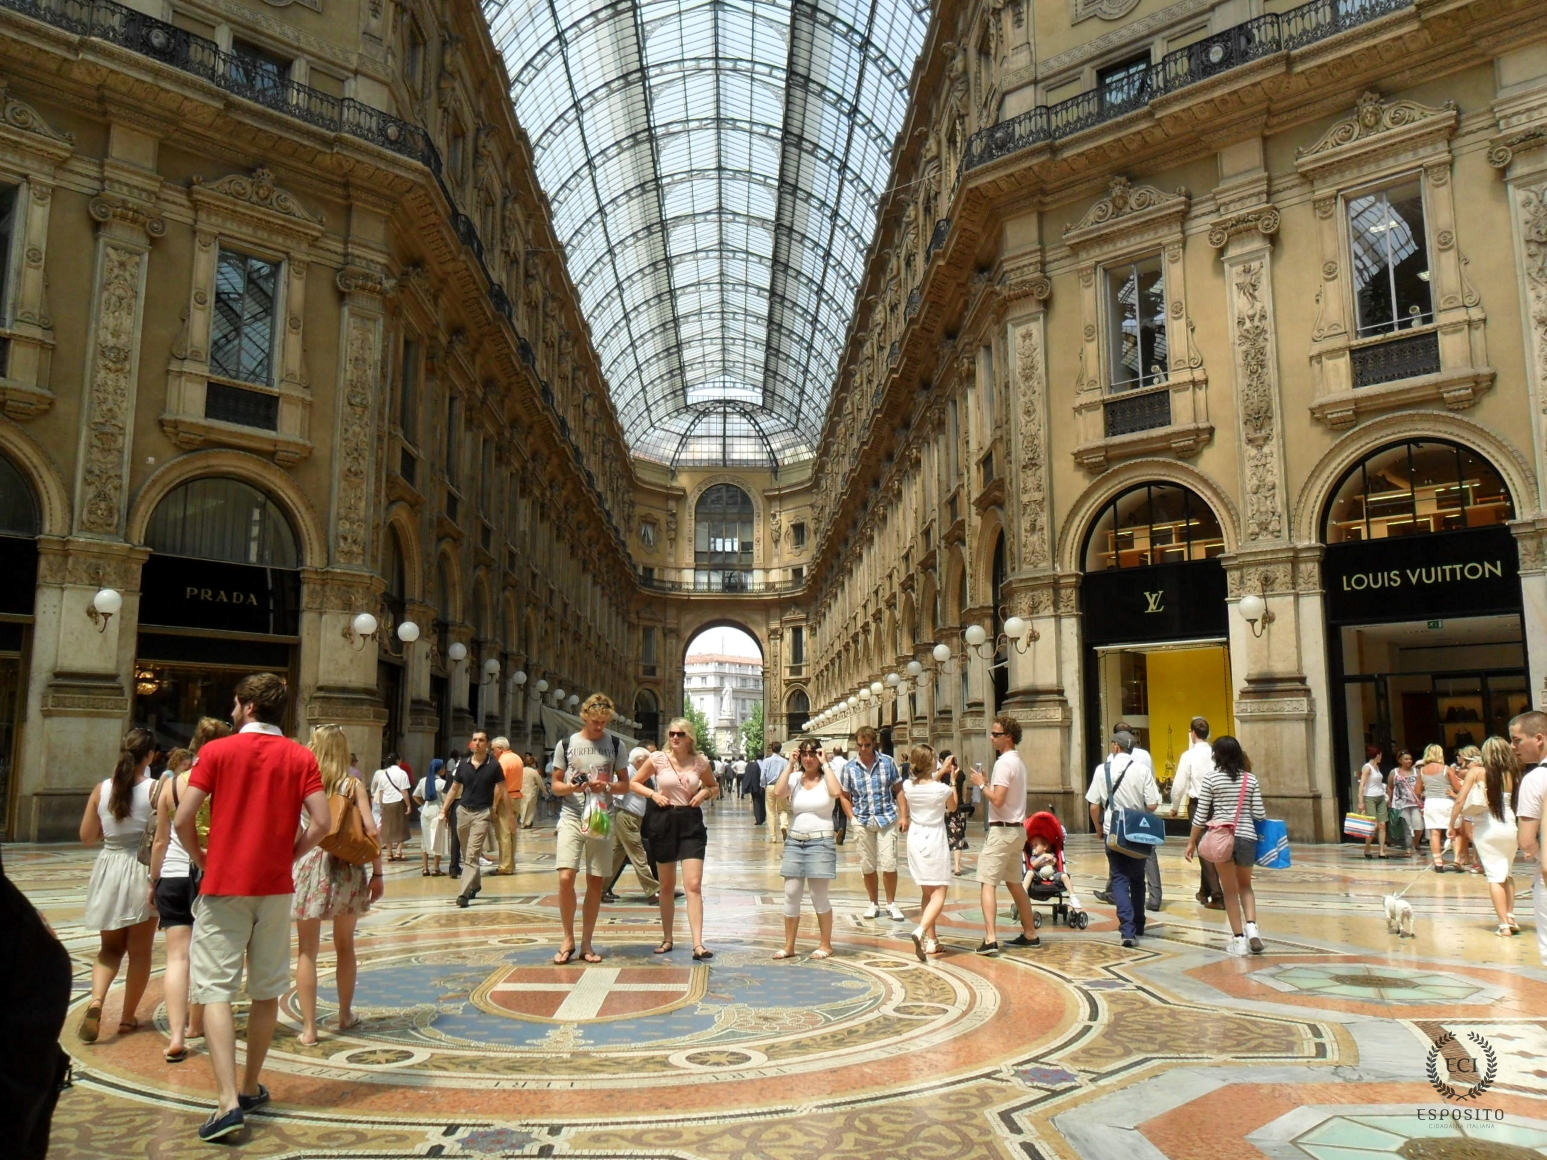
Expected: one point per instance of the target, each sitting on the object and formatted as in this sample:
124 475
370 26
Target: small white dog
1399 916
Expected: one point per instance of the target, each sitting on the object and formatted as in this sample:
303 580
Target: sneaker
1130 942
894 913
917 935
248 1103
1236 945
218 1127
988 948
871 911
609 896
1253 939
1021 940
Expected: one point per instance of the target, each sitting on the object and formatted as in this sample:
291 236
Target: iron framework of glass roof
714 168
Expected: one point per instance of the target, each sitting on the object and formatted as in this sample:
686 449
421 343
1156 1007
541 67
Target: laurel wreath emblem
1490 1072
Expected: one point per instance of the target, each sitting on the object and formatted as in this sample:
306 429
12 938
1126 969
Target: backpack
346 839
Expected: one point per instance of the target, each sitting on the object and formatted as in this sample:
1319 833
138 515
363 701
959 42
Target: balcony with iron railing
237 75
719 582
1255 39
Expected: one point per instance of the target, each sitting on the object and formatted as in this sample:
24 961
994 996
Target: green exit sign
1436 625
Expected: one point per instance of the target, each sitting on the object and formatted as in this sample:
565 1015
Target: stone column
421 722
1275 712
81 680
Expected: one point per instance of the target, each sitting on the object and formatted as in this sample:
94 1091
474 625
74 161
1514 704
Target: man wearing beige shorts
1000 861
873 784
257 781
586 766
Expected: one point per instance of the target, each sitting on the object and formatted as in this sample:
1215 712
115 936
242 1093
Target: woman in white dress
433 836
1495 778
929 851
118 900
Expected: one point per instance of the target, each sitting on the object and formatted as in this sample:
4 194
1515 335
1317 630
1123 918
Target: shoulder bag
347 840
148 838
1132 832
1218 845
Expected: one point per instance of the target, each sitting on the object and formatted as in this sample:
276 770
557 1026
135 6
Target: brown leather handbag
347 839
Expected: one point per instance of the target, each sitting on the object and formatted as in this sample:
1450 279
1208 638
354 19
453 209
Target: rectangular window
453 439
486 478
1136 324
408 393
986 396
647 644
8 224
1124 85
798 645
455 151
242 337
798 535
413 58
1390 259
257 70
797 575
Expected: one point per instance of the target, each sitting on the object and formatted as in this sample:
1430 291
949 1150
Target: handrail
243 77
1257 38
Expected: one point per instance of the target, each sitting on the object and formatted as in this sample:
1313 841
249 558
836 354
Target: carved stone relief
1373 116
1532 202
110 390
361 351
1257 399
1031 387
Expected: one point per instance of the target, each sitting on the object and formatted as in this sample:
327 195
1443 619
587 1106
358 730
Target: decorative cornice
1023 279
18 114
365 280
1126 204
1263 220
1372 117
260 191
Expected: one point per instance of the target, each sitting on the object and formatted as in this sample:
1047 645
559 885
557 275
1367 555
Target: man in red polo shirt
257 780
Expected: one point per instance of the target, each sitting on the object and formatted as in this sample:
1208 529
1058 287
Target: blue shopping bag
1272 844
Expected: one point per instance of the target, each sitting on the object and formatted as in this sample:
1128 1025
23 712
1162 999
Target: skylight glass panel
715 225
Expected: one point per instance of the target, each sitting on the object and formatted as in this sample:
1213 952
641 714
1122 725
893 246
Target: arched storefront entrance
1153 621
20 524
1426 642
220 597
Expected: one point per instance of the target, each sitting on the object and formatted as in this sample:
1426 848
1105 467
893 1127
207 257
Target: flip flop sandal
821 954
91 1023
351 1025
591 957
784 954
175 1056
128 1026
664 948
563 956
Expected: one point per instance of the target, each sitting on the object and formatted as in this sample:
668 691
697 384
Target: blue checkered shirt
871 790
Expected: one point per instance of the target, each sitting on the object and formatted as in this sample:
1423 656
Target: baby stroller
1046 826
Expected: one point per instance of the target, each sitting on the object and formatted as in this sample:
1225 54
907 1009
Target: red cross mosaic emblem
573 994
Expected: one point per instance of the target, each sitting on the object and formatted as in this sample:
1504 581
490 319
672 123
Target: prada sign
1448 574
1166 602
209 594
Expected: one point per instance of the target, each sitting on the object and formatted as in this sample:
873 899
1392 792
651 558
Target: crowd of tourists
247 832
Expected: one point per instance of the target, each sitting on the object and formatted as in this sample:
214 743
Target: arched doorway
1153 619
20 524
722 689
220 597
797 708
1426 640
647 711
723 539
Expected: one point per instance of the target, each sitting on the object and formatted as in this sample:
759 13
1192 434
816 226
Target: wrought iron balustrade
727 582
1130 413
228 404
1408 357
1253 40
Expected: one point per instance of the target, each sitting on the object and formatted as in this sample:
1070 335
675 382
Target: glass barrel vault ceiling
714 168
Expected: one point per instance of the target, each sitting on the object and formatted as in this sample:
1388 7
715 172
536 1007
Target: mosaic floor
473 1043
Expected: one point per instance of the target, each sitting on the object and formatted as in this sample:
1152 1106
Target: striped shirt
871 790
1217 795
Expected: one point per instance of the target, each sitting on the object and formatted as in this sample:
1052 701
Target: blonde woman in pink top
673 828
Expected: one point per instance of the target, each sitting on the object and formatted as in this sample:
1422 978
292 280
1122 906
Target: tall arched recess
723 539
1426 637
20 524
220 597
1153 619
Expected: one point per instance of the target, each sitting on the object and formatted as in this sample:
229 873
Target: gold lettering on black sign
1423 576
220 596
1154 601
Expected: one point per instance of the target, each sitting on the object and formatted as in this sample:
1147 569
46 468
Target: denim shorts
809 857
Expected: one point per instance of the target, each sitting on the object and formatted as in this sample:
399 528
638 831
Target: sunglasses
677 734
996 733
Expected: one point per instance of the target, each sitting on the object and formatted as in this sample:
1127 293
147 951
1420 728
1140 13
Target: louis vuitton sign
1468 573
184 593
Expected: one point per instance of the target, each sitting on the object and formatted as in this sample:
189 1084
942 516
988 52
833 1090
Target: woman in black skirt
673 827
956 820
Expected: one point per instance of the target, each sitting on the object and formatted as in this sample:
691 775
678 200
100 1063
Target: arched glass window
797 709
1413 488
1153 523
722 539
18 505
648 713
223 519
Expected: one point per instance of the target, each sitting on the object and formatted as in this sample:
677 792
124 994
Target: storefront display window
1415 488
20 525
